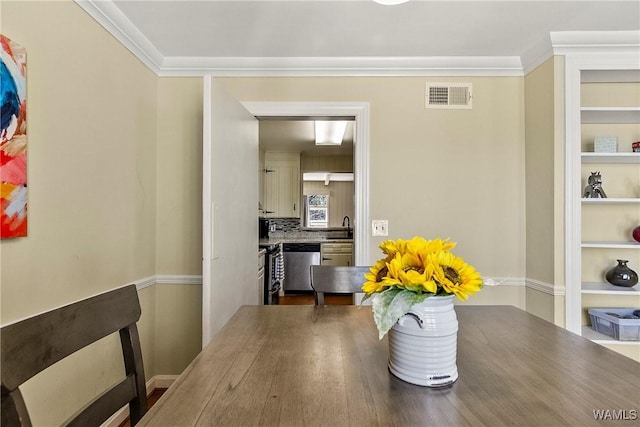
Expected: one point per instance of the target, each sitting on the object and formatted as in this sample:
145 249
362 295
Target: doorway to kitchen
359 113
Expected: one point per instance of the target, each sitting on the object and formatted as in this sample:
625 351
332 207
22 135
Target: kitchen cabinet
603 101
336 254
281 185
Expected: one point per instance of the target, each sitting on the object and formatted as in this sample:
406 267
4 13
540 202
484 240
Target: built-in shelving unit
611 158
611 115
596 231
599 338
611 245
607 289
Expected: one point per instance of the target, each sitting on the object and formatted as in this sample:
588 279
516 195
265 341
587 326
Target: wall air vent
448 95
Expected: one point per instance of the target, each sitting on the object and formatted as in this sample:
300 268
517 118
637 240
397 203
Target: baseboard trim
156 382
160 381
544 287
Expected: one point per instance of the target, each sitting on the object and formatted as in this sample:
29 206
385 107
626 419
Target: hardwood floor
151 400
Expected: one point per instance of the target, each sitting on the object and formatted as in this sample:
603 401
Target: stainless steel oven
273 274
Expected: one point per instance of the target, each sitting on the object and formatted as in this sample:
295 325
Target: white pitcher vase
423 343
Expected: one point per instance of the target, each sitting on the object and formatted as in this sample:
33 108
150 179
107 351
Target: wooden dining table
325 366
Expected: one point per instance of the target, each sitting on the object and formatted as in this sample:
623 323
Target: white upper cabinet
281 184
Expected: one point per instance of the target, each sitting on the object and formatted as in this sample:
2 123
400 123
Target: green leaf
391 305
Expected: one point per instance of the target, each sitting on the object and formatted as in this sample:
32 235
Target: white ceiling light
330 132
390 2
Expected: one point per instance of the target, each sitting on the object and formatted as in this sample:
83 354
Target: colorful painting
13 142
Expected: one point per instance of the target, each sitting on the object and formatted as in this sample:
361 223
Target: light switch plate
379 227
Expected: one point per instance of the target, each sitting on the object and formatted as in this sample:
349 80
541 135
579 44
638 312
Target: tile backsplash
290 227
286 224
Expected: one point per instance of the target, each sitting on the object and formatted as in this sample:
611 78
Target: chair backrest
336 280
32 345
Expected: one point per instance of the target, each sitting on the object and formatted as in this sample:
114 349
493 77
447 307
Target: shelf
608 109
610 76
611 245
611 200
611 115
597 337
607 289
611 158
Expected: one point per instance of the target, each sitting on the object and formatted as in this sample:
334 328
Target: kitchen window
317 210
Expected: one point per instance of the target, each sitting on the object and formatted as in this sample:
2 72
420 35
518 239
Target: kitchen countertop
264 243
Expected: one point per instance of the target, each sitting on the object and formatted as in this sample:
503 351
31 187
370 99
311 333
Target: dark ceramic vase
621 275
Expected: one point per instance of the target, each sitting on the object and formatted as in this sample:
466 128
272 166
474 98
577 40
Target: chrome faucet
348 221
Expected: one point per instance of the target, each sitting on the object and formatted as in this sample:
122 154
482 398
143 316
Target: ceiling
353 38
298 135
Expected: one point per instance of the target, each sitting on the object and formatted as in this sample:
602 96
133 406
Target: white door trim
207 252
359 110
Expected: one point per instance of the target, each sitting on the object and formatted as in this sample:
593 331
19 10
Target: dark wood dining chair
336 280
32 345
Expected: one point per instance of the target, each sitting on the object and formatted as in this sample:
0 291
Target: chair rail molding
165 279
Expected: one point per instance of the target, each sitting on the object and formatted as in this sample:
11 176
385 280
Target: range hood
327 177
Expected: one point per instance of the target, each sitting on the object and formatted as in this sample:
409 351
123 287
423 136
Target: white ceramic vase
423 344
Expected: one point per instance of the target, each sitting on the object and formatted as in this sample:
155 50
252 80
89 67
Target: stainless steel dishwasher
298 259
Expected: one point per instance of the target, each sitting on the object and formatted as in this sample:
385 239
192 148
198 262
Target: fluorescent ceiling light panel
330 132
390 2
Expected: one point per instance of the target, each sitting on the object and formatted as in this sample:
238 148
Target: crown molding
536 56
107 14
598 42
342 66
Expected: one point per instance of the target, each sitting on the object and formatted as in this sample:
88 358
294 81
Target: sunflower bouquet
412 271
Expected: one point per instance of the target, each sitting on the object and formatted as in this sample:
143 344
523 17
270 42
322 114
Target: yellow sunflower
438 245
375 278
390 247
454 275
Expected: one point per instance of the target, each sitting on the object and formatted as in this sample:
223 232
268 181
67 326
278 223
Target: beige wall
179 175
447 173
178 326
540 177
94 139
544 124
92 148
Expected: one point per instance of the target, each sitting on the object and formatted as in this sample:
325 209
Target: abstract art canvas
13 142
